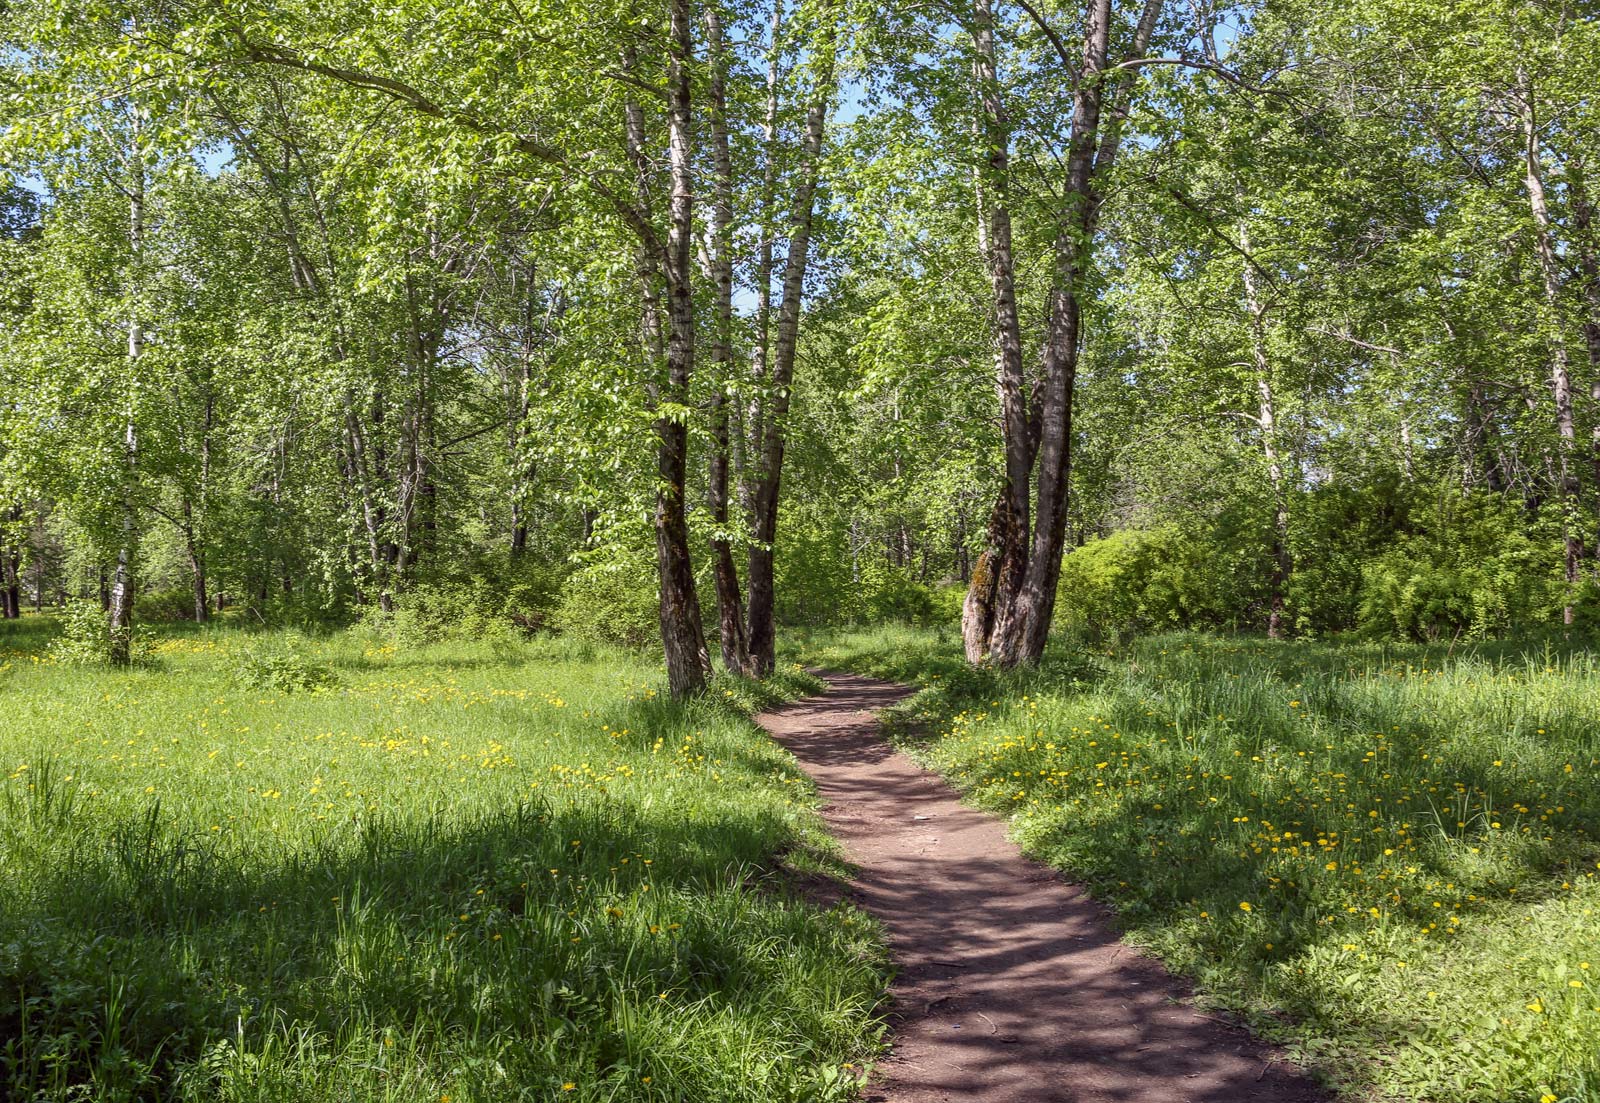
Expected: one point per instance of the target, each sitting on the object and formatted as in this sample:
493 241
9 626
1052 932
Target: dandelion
1244 906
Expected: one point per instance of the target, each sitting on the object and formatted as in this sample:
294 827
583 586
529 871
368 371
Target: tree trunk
749 442
1560 370
197 565
1482 442
773 430
978 609
1589 269
119 616
730 610
682 635
11 567
1267 421
1022 627
1009 524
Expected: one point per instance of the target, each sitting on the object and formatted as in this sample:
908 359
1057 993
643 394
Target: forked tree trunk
1043 437
1022 628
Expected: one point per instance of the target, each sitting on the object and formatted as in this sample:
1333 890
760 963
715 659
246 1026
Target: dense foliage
324 313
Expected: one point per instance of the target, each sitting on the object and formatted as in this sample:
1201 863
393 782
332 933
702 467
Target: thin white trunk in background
1560 367
120 615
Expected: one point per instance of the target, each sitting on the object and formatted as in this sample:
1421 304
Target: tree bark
730 610
11 565
1267 421
773 429
682 635
749 443
1022 626
1009 527
1560 369
1589 270
119 615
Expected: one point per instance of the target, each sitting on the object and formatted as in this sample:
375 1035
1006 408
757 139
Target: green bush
281 666
1470 569
165 606
614 601
1141 580
471 606
85 636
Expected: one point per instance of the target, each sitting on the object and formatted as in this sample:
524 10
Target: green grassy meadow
1386 857
471 871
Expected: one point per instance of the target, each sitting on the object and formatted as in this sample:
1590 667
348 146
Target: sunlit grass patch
482 871
1386 857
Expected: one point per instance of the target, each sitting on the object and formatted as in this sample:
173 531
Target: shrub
472 606
614 601
164 606
889 594
1471 569
281 666
1149 579
85 636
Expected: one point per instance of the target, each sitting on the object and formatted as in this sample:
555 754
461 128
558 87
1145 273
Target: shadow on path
1013 987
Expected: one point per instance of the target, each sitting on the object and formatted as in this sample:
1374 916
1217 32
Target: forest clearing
464 465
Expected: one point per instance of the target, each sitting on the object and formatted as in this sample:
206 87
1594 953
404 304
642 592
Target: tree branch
1223 71
1055 39
415 99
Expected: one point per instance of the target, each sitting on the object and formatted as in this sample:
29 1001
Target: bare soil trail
1012 984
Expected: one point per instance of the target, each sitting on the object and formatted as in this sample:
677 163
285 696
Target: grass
269 867
1384 857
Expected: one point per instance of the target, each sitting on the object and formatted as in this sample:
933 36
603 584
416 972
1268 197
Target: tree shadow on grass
1162 853
595 942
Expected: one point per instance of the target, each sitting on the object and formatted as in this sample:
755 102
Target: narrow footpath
1012 985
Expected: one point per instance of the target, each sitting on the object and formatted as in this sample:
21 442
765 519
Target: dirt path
1012 987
